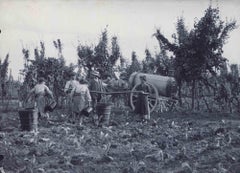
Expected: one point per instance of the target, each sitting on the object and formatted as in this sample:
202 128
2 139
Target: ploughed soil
170 142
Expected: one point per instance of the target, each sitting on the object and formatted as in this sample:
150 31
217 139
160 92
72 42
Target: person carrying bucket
81 99
40 91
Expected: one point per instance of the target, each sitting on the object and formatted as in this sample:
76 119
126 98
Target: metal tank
165 85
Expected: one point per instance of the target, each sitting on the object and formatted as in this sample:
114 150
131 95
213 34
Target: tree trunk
193 93
3 94
180 94
197 96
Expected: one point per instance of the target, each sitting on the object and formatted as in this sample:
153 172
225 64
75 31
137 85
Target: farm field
143 58
170 142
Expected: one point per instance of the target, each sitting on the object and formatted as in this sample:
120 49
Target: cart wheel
152 98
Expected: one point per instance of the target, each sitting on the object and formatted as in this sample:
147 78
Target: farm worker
97 85
82 79
71 83
142 106
81 99
67 89
40 91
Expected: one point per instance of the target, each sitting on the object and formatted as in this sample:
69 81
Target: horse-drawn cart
162 88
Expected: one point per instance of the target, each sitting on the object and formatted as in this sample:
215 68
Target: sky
24 23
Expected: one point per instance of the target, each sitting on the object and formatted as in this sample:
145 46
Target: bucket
28 119
86 111
50 107
104 112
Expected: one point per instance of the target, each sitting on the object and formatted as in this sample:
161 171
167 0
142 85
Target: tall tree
54 70
101 52
3 74
135 66
163 64
199 51
123 63
148 63
210 35
58 45
179 49
100 57
115 52
86 57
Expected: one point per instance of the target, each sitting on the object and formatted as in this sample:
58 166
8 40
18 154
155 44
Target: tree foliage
148 63
198 52
135 65
3 74
86 56
54 70
58 45
100 57
163 64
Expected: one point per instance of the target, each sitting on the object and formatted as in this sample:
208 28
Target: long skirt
78 104
41 102
142 106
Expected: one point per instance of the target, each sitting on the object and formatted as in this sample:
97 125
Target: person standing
40 91
71 83
142 106
96 85
81 99
67 90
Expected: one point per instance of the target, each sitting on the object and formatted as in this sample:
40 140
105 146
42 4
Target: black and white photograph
119 86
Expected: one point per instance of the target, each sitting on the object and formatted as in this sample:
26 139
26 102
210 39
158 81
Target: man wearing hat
96 84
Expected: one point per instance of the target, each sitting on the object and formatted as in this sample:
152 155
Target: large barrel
165 85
